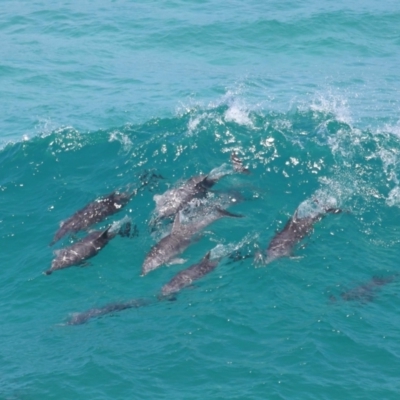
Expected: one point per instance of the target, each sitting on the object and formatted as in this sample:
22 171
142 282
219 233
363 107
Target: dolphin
176 199
81 318
179 240
181 280
86 248
94 212
366 291
296 229
187 276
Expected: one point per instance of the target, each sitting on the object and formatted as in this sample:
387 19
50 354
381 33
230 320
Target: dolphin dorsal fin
206 182
207 256
225 213
177 222
104 234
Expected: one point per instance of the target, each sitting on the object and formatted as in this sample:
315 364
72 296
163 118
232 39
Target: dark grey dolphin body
187 276
86 248
93 213
174 200
80 251
179 239
295 230
365 292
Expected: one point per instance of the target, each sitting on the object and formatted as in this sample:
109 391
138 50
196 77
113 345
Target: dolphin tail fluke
225 213
125 230
148 178
168 297
121 227
332 298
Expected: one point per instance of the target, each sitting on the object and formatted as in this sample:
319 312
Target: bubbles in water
319 203
223 250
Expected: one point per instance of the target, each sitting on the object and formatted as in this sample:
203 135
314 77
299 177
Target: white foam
223 250
239 114
321 201
193 124
389 159
121 138
330 103
394 197
46 127
390 128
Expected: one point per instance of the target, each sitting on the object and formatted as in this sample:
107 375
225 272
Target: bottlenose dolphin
83 317
86 248
94 212
295 230
176 199
187 276
181 280
179 239
365 292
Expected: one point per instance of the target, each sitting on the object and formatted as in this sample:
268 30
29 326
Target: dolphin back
92 213
187 276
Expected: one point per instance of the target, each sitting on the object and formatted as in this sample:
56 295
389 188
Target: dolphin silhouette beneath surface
187 276
86 248
178 282
179 239
94 212
295 230
176 199
365 292
81 318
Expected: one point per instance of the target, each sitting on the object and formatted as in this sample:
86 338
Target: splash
122 138
238 113
332 104
318 204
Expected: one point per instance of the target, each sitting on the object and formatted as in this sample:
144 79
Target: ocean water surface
101 97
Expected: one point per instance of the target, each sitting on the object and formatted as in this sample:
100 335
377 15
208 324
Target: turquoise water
93 96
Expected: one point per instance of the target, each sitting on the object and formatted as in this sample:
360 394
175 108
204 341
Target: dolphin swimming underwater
179 239
81 318
176 199
178 282
187 276
365 292
296 229
86 248
92 213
